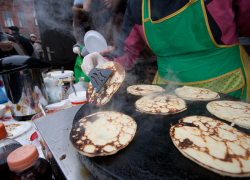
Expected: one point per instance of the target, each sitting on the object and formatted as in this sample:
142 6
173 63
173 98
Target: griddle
151 154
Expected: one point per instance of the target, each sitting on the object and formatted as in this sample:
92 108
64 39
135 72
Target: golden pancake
232 111
196 94
109 88
142 90
7 43
213 145
161 104
103 133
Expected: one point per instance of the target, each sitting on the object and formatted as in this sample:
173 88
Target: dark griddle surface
151 154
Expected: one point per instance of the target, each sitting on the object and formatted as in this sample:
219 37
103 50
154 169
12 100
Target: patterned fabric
232 83
246 62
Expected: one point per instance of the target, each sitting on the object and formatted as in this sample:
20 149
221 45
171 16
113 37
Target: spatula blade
98 77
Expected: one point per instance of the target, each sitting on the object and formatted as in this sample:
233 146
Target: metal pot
24 85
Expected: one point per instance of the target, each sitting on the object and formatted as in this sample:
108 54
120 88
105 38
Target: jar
24 163
7 145
54 90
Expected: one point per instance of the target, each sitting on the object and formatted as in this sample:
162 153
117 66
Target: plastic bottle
25 164
7 145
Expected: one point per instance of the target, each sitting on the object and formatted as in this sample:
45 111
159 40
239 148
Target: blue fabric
78 2
3 96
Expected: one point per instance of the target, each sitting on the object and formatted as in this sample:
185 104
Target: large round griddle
151 154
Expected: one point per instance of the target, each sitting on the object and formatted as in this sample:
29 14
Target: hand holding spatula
93 60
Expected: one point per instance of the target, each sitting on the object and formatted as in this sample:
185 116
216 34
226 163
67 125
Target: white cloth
76 50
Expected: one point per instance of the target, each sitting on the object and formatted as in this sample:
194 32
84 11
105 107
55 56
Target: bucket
66 76
79 99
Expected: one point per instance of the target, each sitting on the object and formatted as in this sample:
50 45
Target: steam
55 15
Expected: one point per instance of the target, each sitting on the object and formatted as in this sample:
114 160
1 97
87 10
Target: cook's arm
129 42
243 17
82 22
243 21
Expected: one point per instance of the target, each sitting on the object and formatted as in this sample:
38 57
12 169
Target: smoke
55 15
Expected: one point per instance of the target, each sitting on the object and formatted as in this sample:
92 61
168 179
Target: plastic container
65 76
79 99
24 163
80 86
7 145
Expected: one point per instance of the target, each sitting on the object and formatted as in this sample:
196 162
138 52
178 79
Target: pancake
103 133
161 104
196 94
16 129
232 111
109 88
142 90
6 43
213 145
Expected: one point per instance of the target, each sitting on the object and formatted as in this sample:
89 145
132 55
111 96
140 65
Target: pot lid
18 63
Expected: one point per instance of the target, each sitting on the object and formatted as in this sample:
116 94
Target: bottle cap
22 158
3 132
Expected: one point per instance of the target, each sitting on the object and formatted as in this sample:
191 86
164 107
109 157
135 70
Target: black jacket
24 42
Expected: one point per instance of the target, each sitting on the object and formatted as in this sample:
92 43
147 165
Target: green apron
187 53
78 70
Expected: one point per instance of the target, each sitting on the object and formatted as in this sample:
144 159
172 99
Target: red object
1 83
33 136
3 132
8 118
78 103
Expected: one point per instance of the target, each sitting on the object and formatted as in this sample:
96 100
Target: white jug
54 90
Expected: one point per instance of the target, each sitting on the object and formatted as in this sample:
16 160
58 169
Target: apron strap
145 10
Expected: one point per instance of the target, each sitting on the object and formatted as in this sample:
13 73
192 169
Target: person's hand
108 50
86 5
6 47
93 60
76 50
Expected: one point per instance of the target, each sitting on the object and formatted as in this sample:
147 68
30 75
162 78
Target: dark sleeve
129 42
25 43
82 22
243 17
11 39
